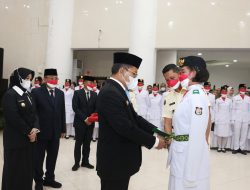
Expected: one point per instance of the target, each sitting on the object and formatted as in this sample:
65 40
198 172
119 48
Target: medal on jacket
23 105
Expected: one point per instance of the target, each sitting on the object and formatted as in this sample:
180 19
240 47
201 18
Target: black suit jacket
51 114
20 117
82 107
121 134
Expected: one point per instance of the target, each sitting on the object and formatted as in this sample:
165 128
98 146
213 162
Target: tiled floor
228 172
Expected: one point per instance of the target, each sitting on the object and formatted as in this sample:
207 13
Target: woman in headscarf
19 133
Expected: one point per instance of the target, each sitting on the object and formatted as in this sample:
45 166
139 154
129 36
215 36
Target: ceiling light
106 8
199 54
168 4
28 6
170 24
213 3
235 60
226 65
24 5
6 7
248 13
242 24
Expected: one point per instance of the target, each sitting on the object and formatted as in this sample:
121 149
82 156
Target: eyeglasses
134 73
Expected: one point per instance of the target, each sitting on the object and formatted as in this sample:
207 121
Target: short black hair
116 67
171 67
201 75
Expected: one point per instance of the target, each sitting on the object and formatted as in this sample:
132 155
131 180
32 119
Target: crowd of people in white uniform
230 111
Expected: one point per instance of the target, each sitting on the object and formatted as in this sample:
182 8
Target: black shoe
75 167
67 137
243 152
235 151
94 140
53 184
219 150
223 150
39 186
88 166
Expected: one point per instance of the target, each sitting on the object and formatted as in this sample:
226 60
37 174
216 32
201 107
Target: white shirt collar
18 90
118 83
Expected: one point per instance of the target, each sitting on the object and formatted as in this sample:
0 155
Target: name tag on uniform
172 103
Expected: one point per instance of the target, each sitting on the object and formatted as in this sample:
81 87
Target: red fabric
93 118
182 77
207 87
91 85
223 99
139 91
172 83
242 96
52 81
139 84
155 95
80 80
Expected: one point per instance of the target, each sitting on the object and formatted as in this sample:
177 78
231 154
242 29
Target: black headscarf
17 75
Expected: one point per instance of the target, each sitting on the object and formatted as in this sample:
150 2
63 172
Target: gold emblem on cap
23 105
181 62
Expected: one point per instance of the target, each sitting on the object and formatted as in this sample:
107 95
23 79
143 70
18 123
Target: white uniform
155 110
211 98
241 118
223 120
79 87
189 160
142 99
68 94
133 100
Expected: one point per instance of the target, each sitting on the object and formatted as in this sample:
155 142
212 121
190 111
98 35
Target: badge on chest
198 111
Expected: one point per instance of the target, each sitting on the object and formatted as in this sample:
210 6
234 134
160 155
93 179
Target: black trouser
51 148
18 168
115 184
83 137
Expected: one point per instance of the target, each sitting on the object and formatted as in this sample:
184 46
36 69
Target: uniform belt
167 136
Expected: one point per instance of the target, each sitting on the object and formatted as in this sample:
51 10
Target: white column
143 33
164 57
59 53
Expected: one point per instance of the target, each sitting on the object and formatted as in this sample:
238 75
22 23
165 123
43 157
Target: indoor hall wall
23 34
232 76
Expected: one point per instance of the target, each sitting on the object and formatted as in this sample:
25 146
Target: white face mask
90 89
185 83
51 85
80 83
164 89
140 87
242 93
132 83
155 92
26 84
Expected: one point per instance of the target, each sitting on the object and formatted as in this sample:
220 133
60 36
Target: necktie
52 95
87 96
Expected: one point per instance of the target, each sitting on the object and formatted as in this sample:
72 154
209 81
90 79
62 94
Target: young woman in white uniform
223 114
189 150
155 108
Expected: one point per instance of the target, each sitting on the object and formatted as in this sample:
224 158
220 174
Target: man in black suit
84 105
51 113
122 132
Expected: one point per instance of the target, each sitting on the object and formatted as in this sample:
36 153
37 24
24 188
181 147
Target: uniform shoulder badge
196 92
198 111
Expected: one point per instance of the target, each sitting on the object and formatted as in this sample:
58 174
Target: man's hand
162 144
32 136
62 135
87 121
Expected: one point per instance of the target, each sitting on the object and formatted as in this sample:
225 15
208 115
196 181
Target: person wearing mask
122 131
68 96
163 88
171 74
155 108
142 99
38 82
50 105
230 91
189 151
149 89
20 132
223 116
84 106
240 118
80 83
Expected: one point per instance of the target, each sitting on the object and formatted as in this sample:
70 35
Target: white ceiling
221 56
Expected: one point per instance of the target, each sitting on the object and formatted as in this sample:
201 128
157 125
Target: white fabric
68 96
95 131
18 90
142 99
70 130
155 110
211 98
189 160
240 135
241 109
176 183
